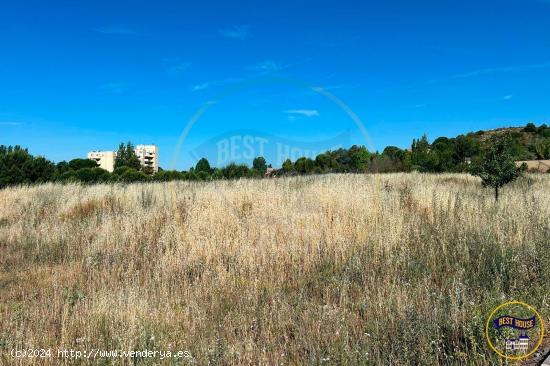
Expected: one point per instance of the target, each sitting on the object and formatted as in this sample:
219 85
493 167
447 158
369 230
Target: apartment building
147 155
105 159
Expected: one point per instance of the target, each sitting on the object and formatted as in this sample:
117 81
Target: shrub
498 167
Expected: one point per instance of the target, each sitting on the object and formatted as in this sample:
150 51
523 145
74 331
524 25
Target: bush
235 171
129 175
77 164
17 166
304 165
134 176
543 130
530 127
168 175
86 175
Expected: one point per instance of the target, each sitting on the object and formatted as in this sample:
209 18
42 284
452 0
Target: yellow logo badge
514 330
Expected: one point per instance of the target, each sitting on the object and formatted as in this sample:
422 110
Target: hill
530 142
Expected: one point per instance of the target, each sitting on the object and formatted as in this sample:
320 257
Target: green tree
86 175
120 159
61 168
76 164
393 152
259 165
420 153
202 175
325 162
126 156
38 169
393 159
168 175
17 166
203 166
287 166
542 149
466 148
304 165
129 175
530 127
343 160
360 157
423 158
497 167
543 130
235 171
217 174
443 152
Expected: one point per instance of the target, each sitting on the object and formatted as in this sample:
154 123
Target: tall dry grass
339 269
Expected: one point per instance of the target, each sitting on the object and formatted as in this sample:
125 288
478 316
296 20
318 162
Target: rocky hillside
530 142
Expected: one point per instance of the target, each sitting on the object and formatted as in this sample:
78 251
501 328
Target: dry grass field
393 269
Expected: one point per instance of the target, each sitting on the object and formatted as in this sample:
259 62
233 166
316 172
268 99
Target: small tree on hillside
498 167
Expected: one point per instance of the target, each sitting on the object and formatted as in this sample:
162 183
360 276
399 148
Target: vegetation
259 165
393 269
126 157
444 154
497 167
17 166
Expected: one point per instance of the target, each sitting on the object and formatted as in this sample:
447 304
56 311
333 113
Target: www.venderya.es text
97 353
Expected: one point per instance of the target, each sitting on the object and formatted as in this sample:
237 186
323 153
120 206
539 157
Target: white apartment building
148 156
105 159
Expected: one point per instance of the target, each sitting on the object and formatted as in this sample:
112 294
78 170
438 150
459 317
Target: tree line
464 153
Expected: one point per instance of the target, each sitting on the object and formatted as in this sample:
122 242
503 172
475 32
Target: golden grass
337 269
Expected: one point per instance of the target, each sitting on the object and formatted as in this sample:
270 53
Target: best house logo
514 330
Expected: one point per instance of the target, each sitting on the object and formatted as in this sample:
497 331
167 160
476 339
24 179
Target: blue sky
78 76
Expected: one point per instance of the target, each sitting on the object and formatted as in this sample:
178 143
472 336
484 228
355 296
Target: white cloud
255 71
267 66
209 84
302 112
238 32
490 71
200 86
118 30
